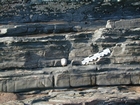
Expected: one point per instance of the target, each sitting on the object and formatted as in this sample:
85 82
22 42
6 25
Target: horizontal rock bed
68 77
30 55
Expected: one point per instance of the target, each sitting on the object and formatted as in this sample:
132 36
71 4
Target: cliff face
35 35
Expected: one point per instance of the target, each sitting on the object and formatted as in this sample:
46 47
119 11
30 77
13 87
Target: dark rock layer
19 11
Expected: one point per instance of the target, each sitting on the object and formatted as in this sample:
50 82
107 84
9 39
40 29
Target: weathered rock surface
28 57
21 49
36 34
116 95
68 77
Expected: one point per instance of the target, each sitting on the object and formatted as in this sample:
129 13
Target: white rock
83 62
106 51
87 59
102 54
93 57
119 0
97 55
63 61
3 31
108 24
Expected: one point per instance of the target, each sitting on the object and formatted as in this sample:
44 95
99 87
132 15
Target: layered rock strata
36 35
33 61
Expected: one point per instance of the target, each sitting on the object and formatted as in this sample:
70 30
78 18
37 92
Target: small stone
63 61
3 31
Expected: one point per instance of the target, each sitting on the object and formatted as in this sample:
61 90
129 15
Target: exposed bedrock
35 36
33 60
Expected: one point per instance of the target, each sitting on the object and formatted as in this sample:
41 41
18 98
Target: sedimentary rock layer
68 77
34 37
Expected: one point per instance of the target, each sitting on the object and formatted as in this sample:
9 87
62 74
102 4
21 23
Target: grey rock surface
119 95
62 80
25 11
80 80
21 55
36 34
18 84
67 77
113 79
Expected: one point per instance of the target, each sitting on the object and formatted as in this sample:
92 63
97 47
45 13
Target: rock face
36 34
32 61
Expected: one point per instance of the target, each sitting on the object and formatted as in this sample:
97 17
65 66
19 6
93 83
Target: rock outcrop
26 57
36 34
